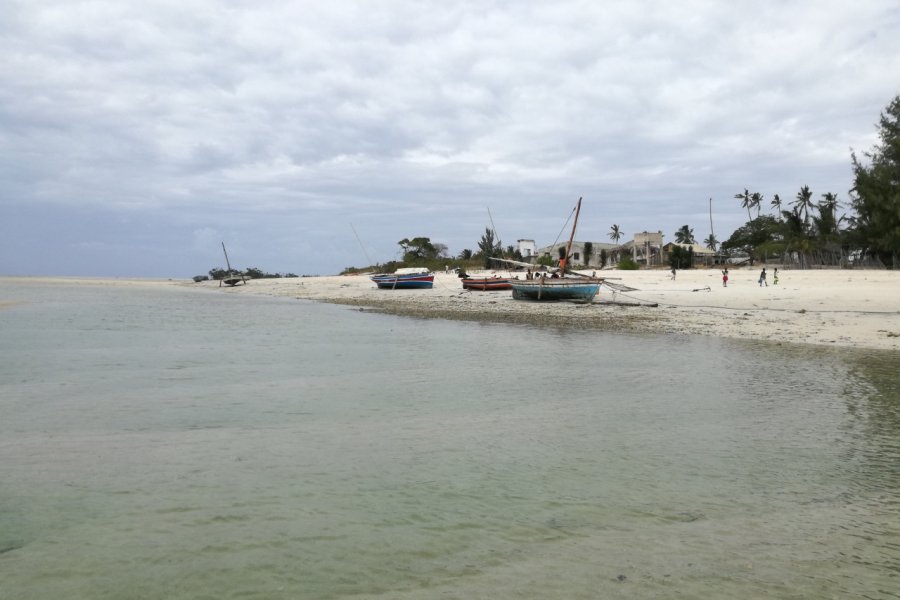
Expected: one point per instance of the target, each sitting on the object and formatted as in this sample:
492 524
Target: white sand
847 308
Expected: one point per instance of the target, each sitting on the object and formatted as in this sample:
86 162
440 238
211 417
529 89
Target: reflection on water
169 443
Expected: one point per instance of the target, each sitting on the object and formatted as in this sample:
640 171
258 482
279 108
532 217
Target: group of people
762 277
530 275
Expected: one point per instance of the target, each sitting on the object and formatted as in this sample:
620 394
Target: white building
526 248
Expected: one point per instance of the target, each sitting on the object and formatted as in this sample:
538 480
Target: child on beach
775 277
762 278
725 277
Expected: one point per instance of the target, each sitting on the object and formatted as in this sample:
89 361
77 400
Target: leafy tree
875 195
681 258
489 247
466 254
604 257
755 234
441 251
685 235
588 252
418 249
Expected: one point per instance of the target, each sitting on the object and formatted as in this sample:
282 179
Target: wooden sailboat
567 286
232 277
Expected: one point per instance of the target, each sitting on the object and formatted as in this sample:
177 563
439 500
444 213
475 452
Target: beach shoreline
829 307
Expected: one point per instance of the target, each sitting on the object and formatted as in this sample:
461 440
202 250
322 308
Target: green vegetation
681 258
626 263
812 233
218 273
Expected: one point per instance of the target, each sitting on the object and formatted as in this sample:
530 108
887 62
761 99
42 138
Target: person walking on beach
775 277
725 277
673 272
762 278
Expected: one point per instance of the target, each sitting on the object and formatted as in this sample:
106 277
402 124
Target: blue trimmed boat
550 290
561 286
404 279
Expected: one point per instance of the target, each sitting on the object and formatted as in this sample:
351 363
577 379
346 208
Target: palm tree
711 242
685 235
776 204
745 202
615 234
756 200
829 202
804 202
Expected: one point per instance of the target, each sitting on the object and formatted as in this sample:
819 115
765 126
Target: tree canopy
875 195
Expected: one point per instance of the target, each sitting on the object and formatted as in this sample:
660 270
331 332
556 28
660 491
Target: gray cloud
277 126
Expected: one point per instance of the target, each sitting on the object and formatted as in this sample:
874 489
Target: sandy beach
845 308
842 308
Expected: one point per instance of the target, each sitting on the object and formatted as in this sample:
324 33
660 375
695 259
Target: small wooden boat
404 279
548 290
486 284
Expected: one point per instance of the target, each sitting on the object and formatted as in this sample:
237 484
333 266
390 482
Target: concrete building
579 259
526 248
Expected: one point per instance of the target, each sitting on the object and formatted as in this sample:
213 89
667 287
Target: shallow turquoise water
173 443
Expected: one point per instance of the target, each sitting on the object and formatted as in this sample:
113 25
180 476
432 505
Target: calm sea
168 443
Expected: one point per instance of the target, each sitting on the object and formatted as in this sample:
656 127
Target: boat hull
553 290
404 282
486 284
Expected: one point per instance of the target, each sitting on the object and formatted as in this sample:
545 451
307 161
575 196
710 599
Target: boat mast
565 259
226 258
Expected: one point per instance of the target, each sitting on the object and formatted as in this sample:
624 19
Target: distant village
646 249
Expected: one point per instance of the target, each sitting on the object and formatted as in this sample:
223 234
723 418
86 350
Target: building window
575 256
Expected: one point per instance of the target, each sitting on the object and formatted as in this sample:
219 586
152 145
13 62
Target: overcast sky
137 136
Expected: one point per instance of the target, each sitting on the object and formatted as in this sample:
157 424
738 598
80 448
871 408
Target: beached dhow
564 285
231 276
404 279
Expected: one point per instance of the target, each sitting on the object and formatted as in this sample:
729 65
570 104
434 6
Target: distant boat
486 284
568 286
231 276
404 279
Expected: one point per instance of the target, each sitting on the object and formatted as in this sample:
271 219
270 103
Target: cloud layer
136 136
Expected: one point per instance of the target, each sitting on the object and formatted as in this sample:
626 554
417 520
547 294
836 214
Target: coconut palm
684 235
615 233
711 242
776 204
745 202
803 202
756 200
